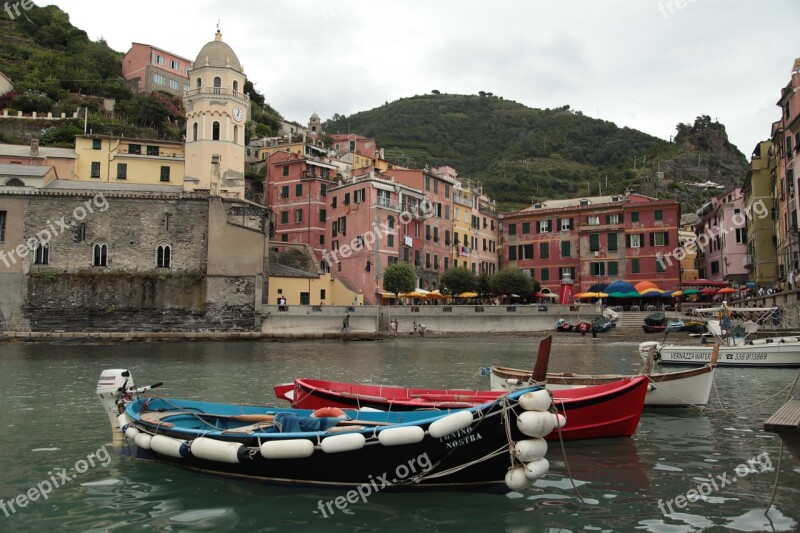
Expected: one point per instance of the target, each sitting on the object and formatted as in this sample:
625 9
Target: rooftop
217 53
24 150
31 171
106 186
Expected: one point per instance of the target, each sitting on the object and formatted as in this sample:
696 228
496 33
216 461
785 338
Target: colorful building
374 221
722 238
437 239
102 158
147 68
62 160
786 141
595 239
759 205
216 111
296 190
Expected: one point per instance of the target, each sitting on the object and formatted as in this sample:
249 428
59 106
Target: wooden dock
786 423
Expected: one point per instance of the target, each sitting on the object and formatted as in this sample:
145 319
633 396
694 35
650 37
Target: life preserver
328 412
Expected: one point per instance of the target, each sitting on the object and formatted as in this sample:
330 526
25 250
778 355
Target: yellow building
463 201
761 259
102 158
687 240
216 110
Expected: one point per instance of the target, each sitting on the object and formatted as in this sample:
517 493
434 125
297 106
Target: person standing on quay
345 324
394 326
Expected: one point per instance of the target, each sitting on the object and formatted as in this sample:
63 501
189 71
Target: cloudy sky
646 64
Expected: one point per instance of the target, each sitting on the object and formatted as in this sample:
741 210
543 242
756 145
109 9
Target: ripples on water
51 418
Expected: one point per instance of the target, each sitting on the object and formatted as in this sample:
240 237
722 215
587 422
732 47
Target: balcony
387 204
748 262
463 200
216 91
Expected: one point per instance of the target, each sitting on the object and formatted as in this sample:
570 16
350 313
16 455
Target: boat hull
608 410
432 463
675 389
776 354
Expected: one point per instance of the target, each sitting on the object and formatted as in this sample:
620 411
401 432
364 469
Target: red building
296 190
595 239
148 68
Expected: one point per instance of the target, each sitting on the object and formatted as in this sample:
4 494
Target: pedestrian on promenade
345 324
414 329
594 330
422 329
281 304
394 325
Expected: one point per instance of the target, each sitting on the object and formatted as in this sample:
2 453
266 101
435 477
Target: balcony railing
216 90
387 204
463 200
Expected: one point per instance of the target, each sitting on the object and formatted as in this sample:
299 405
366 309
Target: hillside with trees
520 154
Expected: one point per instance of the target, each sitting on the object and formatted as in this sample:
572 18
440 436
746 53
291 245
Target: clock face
238 114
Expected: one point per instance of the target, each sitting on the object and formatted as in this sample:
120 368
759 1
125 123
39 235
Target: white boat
733 329
674 389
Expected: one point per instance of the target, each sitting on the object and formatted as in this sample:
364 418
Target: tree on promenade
513 281
458 280
399 277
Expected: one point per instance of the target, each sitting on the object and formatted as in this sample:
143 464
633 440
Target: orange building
147 69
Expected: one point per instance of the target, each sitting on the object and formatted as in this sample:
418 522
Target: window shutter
666 238
550 225
621 218
608 219
652 239
627 240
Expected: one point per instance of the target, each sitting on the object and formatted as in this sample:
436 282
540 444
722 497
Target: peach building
148 68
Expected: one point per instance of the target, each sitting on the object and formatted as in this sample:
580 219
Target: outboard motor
111 387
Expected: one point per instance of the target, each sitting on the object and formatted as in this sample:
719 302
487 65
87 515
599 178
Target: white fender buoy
346 442
143 441
536 423
560 420
166 445
537 469
401 435
450 424
536 401
131 432
513 381
530 450
123 421
287 449
516 478
216 450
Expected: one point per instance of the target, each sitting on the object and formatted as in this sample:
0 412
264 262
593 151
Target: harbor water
51 420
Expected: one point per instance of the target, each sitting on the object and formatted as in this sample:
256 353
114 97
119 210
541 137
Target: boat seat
252 428
759 342
789 339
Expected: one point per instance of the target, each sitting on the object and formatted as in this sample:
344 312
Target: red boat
610 410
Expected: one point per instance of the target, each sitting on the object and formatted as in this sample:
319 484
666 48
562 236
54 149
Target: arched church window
215 131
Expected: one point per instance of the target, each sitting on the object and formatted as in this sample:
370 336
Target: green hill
519 154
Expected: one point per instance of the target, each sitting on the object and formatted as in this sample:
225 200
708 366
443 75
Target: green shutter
612 241
613 268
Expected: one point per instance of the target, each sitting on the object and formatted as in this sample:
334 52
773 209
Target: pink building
147 69
296 189
350 142
786 139
722 253
438 240
368 230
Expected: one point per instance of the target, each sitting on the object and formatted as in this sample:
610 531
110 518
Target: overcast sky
646 64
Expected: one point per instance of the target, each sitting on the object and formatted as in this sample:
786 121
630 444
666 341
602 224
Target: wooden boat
608 410
786 423
733 328
653 329
467 448
675 389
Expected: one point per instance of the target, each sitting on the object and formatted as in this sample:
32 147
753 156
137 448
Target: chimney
34 147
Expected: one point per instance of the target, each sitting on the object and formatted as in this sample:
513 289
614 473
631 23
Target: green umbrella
617 295
632 294
687 292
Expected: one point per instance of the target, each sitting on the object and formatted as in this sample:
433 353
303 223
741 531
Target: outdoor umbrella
688 292
632 294
708 290
617 295
594 295
672 294
643 286
651 292
620 286
435 295
726 290
468 294
416 293
598 287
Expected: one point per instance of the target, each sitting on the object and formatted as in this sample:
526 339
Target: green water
50 419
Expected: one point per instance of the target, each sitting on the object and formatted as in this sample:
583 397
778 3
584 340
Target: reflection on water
51 419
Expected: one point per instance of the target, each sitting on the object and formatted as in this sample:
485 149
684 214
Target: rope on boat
481 416
688 404
564 453
780 456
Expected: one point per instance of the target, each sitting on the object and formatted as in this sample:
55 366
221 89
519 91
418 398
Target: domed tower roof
217 54
314 116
